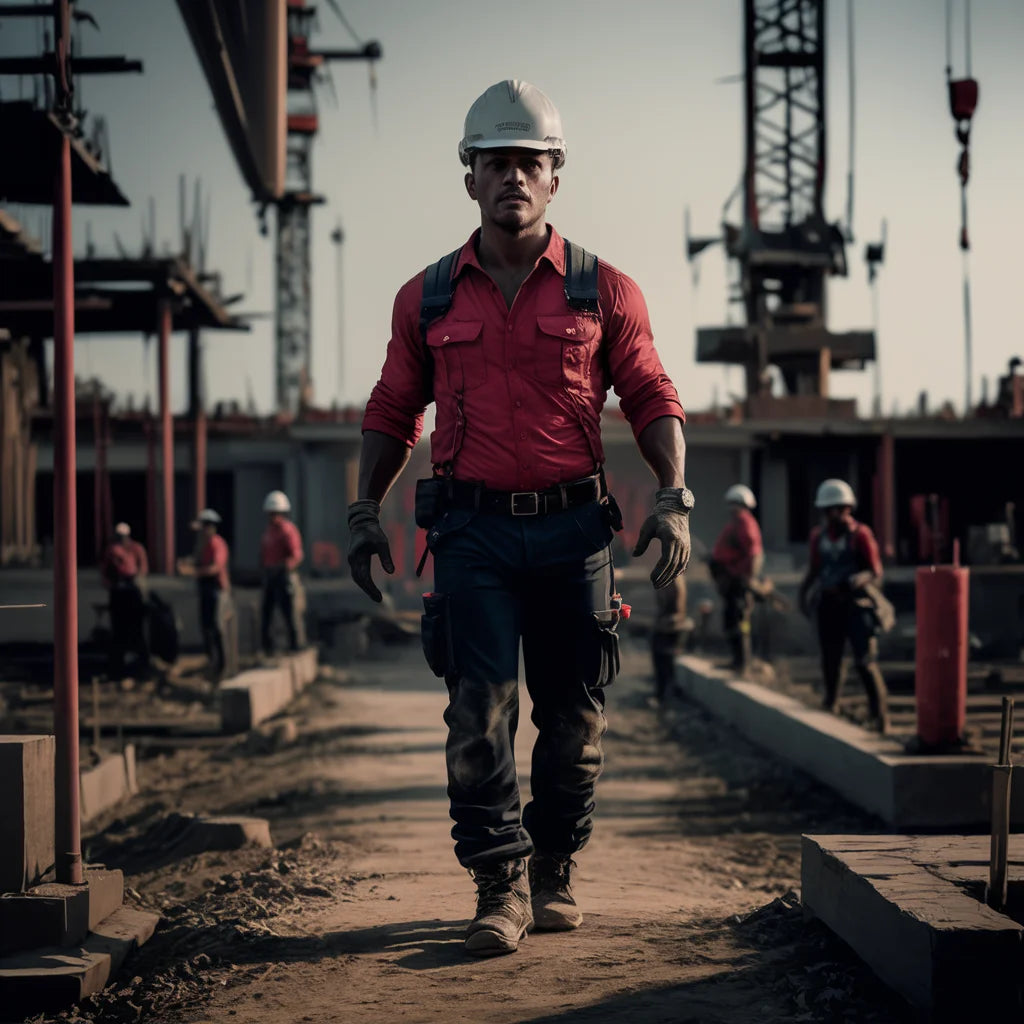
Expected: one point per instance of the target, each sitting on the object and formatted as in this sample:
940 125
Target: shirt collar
554 253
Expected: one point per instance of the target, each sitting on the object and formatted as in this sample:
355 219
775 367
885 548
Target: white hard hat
209 516
277 501
516 114
833 493
740 494
123 530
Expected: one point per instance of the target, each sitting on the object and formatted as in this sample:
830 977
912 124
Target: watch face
686 497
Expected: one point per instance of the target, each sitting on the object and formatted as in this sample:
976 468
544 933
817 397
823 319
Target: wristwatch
682 497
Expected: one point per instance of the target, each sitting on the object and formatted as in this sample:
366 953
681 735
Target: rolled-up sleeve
645 391
400 397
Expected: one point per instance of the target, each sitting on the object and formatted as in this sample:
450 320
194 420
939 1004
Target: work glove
670 523
366 539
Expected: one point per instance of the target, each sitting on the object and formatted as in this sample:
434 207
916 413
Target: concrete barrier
107 783
254 696
26 810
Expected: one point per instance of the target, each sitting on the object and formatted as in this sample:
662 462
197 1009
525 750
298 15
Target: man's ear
470 183
554 187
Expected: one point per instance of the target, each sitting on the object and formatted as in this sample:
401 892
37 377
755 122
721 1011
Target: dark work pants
214 609
127 626
535 579
282 590
839 620
737 605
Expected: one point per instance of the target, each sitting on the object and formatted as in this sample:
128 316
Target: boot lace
494 892
553 873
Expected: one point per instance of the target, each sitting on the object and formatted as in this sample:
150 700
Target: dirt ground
357 914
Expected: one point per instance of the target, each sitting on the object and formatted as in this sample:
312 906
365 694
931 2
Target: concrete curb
254 696
900 903
906 791
108 783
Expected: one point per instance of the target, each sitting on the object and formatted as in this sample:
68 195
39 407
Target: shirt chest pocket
458 350
566 347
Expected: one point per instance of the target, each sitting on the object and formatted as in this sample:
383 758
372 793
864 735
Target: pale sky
649 132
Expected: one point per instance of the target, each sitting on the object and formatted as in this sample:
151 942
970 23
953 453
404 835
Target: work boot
503 912
554 909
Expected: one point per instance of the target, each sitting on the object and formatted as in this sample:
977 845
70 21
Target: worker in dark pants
736 561
671 626
280 557
839 591
209 565
124 571
517 337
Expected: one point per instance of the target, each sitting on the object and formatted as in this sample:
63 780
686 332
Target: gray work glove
366 539
670 523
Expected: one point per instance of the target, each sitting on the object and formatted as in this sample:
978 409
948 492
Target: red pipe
67 821
98 536
166 438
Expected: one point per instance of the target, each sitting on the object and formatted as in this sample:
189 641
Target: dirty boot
554 909
878 696
503 912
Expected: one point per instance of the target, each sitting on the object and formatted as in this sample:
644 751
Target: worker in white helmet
516 337
280 557
735 564
124 569
841 592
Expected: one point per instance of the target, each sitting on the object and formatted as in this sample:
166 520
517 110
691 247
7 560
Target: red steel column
67 823
198 411
166 440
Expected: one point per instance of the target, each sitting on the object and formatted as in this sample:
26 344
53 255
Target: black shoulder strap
438 289
581 279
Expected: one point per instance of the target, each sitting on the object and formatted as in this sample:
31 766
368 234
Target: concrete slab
223 833
108 783
943 949
254 696
52 914
26 810
874 772
53 978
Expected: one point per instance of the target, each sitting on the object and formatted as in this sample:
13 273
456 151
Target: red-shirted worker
280 556
845 568
209 565
516 338
736 561
124 570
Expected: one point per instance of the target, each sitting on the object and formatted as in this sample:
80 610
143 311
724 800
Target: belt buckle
526 494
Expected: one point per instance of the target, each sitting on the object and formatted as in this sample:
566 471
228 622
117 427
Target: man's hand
367 539
670 523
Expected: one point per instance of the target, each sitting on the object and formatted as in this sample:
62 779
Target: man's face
838 514
512 186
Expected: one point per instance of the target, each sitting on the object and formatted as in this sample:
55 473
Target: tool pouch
612 512
435 630
430 495
606 647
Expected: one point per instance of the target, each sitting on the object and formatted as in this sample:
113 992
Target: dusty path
684 885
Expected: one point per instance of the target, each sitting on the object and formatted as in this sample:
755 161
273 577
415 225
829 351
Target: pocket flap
569 328
452 332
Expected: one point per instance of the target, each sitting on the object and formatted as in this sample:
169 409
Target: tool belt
462 494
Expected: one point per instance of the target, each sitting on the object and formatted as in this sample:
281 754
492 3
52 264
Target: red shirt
120 562
140 556
215 552
281 541
862 542
519 391
738 545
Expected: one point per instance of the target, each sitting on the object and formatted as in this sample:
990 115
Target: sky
651 130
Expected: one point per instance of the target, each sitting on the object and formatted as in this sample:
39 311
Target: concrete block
223 833
106 784
874 772
26 810
921 933
53 978
254 696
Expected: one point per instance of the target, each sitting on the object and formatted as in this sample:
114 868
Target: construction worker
670 627
209 565
736 562
516 337
280 556
124 570
841 590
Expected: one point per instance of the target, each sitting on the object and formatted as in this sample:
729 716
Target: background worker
841 591
124 570
670 627
280 557
516 338
209 565
736 562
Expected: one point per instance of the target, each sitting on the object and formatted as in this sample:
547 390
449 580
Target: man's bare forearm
663 447
381 462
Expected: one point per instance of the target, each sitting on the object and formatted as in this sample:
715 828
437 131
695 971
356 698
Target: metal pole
1001 774
67 825
166 438
197 409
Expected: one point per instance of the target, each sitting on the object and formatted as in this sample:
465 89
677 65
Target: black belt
524 503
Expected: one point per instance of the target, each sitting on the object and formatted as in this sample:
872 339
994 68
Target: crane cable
963 101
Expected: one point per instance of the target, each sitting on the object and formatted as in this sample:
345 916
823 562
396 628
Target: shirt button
519 404
568 330
522 436
446 338
509 327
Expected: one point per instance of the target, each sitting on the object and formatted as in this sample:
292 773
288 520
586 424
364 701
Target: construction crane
784 247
